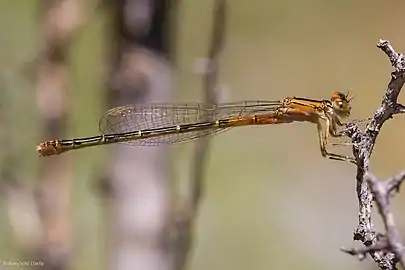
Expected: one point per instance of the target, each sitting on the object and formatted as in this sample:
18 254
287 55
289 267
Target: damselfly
158 124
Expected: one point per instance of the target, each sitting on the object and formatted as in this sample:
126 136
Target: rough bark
385 249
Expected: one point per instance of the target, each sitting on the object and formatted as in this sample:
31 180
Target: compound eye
339 104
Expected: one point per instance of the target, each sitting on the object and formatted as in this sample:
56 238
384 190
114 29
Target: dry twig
386 251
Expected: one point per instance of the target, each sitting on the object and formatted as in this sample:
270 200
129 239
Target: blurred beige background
271 200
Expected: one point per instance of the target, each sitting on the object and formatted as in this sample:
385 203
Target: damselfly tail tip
47 148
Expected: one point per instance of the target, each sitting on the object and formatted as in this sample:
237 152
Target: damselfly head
341 104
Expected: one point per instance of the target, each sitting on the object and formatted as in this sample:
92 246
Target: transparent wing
145 117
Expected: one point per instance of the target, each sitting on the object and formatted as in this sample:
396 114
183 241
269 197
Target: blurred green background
271 201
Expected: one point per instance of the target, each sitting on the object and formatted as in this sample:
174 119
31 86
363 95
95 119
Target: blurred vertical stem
136 179
188 209
59 21
18 198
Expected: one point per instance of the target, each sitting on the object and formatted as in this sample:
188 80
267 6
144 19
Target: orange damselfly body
158 124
